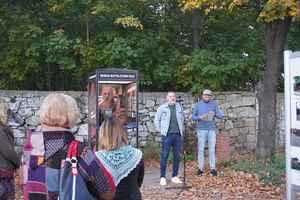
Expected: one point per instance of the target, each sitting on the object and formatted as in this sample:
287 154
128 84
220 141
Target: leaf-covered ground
227 185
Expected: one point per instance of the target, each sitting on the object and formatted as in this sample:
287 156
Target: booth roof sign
118 76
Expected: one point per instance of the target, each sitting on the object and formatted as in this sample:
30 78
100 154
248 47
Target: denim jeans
210 136
171 140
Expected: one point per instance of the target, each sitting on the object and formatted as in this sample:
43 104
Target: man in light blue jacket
169 120
205 112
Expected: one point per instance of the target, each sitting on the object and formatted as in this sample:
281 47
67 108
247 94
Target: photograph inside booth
118 100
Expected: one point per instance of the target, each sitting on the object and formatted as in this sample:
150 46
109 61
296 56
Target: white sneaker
176 180
163 181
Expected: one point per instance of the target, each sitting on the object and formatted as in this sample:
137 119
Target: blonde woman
47 146
9 160
123 162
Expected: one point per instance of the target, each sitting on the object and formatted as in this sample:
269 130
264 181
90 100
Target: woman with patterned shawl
9 160
47 146
123 162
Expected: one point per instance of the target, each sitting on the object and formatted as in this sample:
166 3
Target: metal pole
287 102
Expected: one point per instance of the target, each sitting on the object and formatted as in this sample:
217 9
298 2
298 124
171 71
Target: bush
151 152
187 158
270 169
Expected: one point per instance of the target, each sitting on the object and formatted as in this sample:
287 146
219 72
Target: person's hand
202 117
213 113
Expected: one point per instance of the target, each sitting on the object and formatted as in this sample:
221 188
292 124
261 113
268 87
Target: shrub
270 169
187 158
151 152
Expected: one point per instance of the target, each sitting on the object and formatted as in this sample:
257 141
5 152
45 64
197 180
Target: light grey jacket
163 115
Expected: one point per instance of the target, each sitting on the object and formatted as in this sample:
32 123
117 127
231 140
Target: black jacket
129 187
8 156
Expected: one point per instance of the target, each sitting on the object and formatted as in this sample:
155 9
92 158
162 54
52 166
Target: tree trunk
275 38
87 35
195 28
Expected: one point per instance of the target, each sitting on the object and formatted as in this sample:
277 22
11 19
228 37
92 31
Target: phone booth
112 92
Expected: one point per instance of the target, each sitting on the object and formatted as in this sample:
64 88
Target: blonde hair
3 114
112 134
59 109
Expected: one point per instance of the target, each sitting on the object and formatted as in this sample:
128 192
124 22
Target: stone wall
239 109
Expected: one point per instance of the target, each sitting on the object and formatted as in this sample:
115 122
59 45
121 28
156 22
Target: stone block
33 121
132 141
241 139
157 139
220 125
224 106
245 112
250 146
144 134
144 118
228 124
141 128
80 138
149 104
34 102
152 114
18 133
238 145
238 124
244 130
151 126
237 100
249 122
14 106
27 112
252 130
19 149
145 128
20 141
251 138
232 115
160 101
143 111
83 130
143 143
234 132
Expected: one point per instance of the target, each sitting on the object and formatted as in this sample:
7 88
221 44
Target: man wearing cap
168 120
205 112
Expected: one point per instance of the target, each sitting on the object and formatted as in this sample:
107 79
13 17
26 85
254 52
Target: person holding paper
205 111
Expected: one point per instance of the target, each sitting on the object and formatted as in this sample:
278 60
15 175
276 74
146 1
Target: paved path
151 188
152 176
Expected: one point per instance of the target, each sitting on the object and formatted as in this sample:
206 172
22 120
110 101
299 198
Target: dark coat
8 156
129 187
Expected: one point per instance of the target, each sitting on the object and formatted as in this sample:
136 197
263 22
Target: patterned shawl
120 162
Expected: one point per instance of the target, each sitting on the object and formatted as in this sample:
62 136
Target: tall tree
277 16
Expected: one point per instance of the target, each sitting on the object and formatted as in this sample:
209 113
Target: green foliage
151 152
271 169
187 158
53 45
59 48
233 61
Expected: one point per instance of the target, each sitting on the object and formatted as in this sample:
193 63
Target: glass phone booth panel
112 92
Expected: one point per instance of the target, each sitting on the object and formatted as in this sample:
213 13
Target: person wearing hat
205 111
